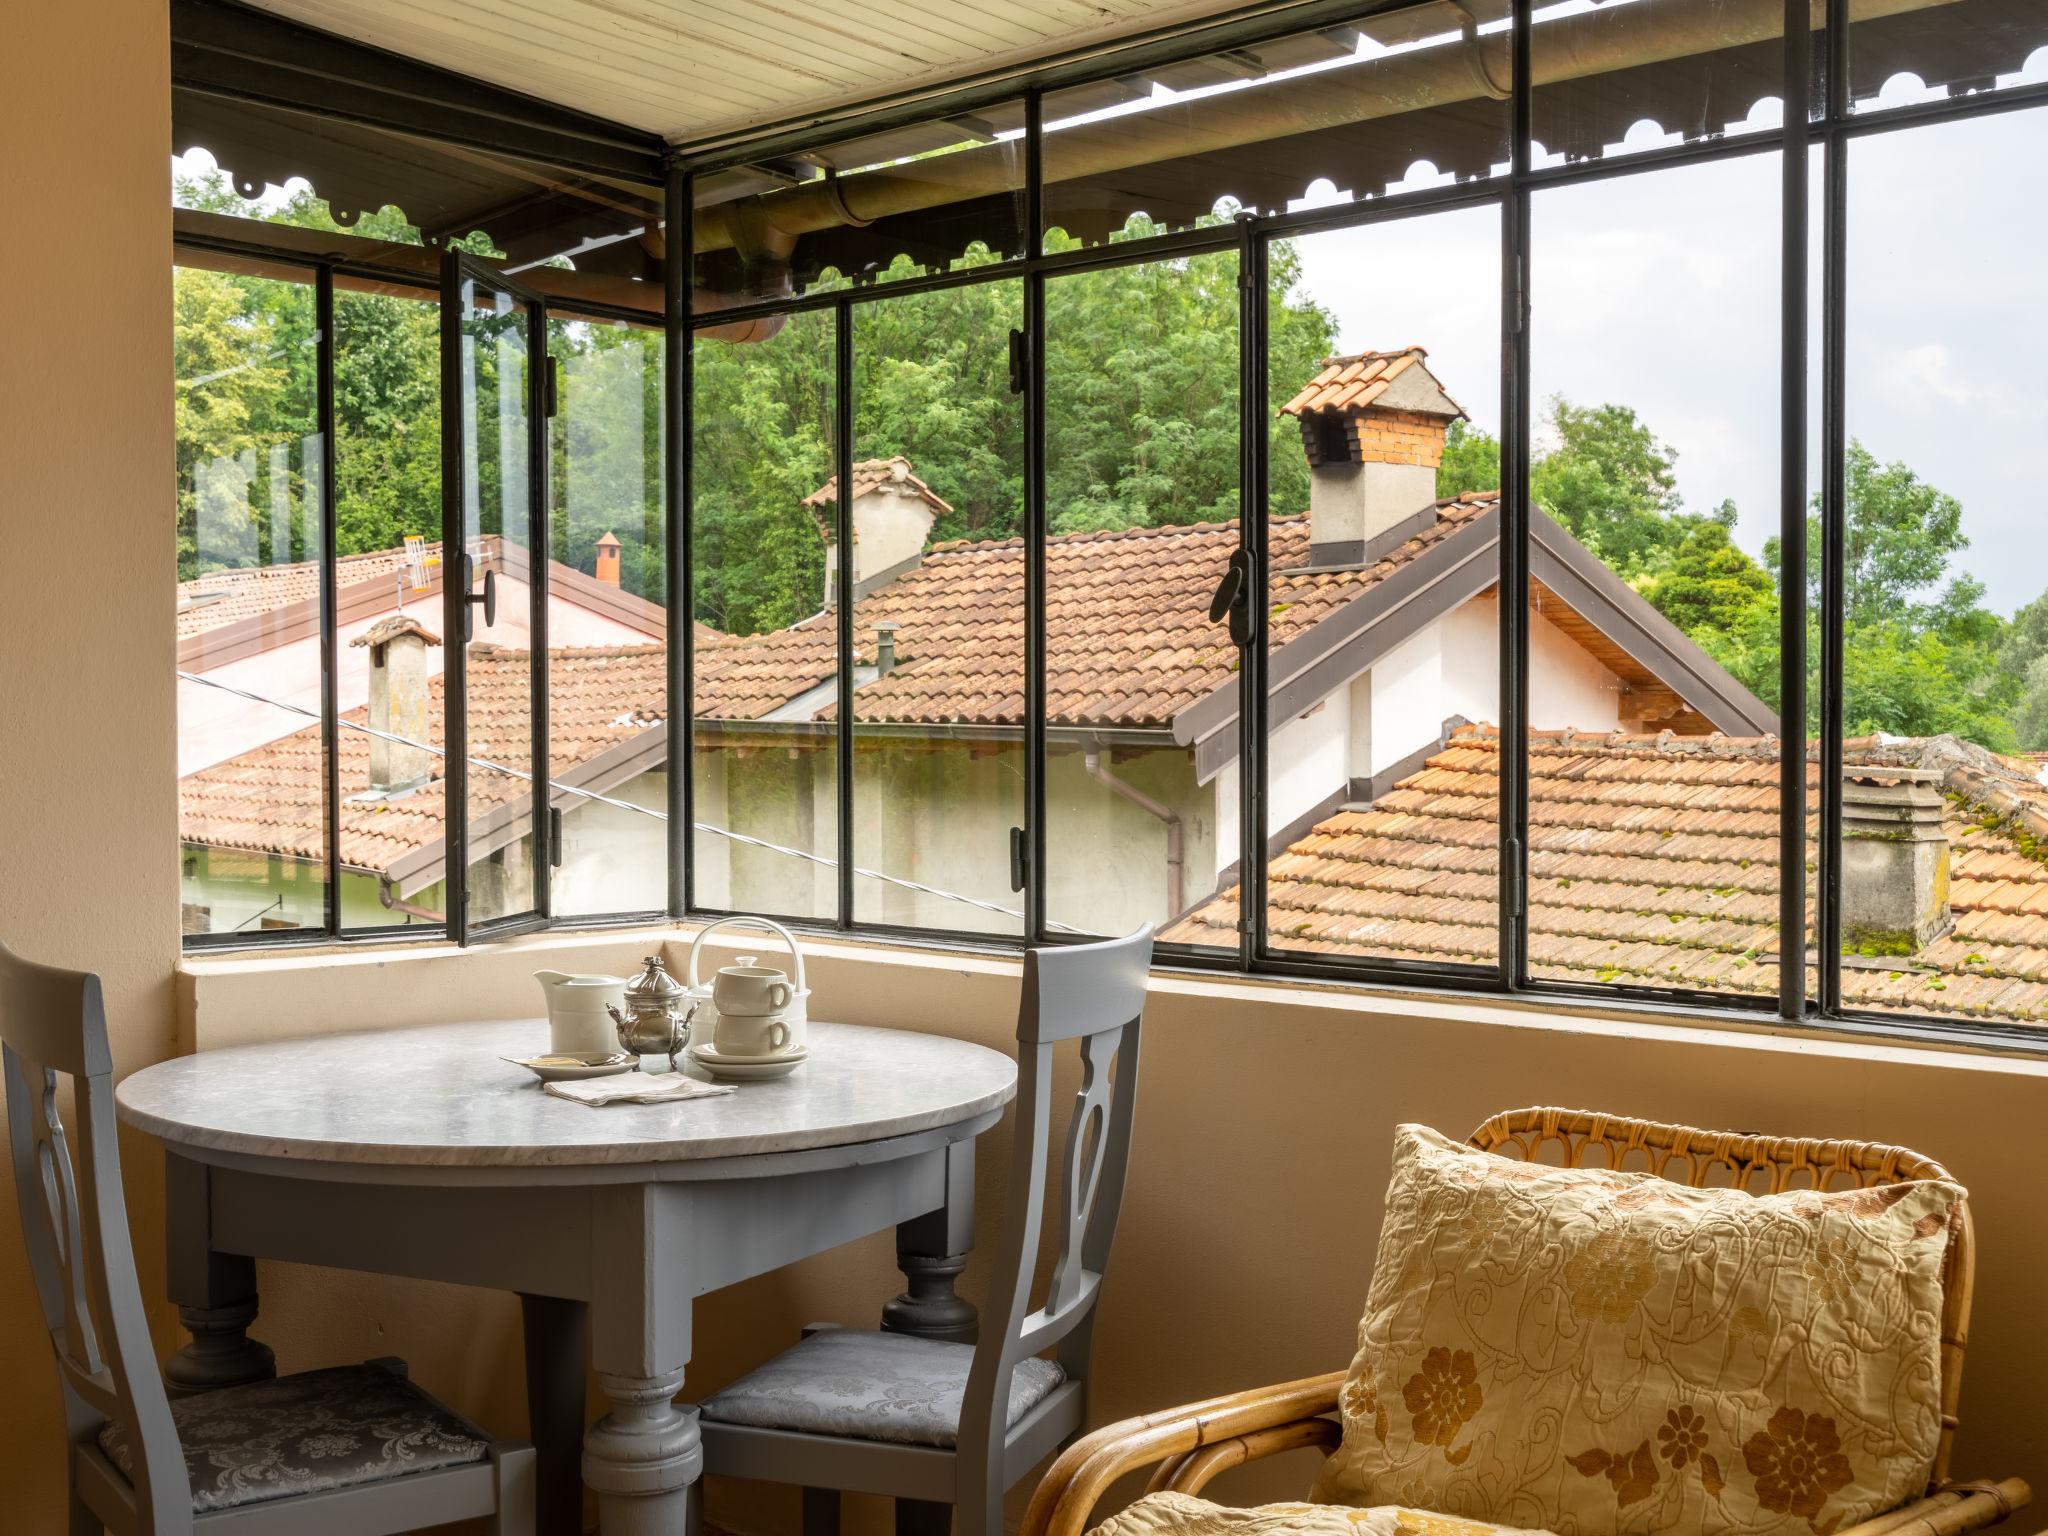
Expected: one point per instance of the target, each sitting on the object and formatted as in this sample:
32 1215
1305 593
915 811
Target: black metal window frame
1803 131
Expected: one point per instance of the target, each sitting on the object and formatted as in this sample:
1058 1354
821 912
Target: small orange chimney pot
608 560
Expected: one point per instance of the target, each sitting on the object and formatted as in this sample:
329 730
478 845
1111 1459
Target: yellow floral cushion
1179 1514
1592 1352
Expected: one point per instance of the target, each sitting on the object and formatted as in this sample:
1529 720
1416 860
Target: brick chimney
1895 860
398 702
893 513
608 559
1373 428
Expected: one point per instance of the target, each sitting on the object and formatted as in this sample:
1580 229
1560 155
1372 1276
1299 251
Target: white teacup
751 1034
751 988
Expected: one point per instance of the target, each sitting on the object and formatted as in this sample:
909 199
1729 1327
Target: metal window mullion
1252 531
1834 504
677 404
842 518
540 544
1035 765
454 607
1792 911
330 640
1511 847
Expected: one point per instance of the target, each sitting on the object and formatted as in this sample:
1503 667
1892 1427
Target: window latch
1018 349
555 836
485 598
551 387
1234 599
1020 857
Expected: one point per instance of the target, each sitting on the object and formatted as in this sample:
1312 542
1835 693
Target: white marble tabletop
440 1097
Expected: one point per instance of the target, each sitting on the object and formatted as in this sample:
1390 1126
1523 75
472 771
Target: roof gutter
391 903
1176 832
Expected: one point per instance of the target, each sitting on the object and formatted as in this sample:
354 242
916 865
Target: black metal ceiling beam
233 50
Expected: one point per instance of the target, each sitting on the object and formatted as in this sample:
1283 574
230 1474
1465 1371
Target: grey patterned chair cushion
871 1386
306 1434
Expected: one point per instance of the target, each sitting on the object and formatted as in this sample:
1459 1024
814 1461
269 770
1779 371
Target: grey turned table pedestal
417 1152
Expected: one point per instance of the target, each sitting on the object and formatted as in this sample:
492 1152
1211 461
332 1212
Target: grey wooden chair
932 1423
358 1451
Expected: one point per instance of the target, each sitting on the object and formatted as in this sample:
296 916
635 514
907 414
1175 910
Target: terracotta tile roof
268 800
1653 861
224 597
1356 381
1128 638
870 474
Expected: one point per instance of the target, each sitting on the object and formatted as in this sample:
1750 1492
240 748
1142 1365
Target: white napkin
636 1088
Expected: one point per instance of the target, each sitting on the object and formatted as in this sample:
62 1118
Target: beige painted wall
88 750
1261 1150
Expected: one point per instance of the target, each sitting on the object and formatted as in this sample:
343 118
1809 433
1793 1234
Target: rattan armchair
1186 1447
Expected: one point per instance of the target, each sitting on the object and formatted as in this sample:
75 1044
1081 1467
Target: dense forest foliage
1141 387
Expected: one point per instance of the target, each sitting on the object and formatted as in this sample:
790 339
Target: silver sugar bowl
657 1016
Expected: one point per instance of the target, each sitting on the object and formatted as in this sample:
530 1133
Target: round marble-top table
419 1152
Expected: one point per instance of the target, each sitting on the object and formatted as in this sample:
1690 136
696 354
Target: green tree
1921 653
1709 585
1611 483
1471 461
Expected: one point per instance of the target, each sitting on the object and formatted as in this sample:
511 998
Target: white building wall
1307 763
615 860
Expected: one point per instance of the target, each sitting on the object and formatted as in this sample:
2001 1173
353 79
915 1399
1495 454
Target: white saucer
746 1068
568 1069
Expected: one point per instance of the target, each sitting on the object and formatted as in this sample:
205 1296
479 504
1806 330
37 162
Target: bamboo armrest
1240 1427
1952 1511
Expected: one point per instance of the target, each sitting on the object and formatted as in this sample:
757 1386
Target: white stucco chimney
398 702
1373 427
893 513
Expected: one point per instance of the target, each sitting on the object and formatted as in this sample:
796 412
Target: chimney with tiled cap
608 560
893 513
1895 860
398 702
1373 426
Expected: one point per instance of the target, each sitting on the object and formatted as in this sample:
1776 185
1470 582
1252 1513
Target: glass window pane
1393 102
607 619
766 763
497 473
938 619
1653 671
1383 630
928 197
1633 75
250 462
387 427
1141 506
1945 656
1927 52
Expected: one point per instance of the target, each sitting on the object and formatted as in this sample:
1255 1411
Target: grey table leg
932 1250
643 1455
557 1357
215 1292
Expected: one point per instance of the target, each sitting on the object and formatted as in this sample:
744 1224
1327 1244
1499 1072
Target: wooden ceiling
695 69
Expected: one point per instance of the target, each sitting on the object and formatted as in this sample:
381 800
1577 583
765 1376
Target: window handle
1233 599
487 598
1020 857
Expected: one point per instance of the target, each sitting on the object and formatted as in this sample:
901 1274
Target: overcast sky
1660 291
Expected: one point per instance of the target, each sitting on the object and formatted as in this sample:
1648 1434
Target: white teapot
796 1015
